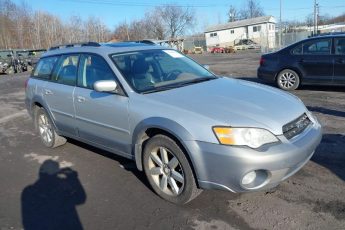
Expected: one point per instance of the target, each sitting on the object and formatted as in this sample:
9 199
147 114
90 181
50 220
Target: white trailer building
261 30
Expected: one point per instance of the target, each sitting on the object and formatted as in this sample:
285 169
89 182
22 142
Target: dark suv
317 60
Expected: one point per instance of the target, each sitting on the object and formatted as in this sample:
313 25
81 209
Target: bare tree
20 27
121 32
251 9
232 14
154 26
176 19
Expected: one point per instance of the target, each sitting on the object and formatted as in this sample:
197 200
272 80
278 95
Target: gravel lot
102 191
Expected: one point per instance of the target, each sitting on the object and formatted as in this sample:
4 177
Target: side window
45 67
66 70
322 46
93 68
256 28
297 50
340 46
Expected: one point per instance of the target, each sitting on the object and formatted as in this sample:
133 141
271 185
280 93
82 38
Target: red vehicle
217 50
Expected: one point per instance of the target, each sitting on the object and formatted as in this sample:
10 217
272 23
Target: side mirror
105 86
207 67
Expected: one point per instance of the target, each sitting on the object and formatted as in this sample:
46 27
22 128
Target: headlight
251 137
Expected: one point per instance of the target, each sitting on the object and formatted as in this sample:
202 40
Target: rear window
297 50
66 70
45 67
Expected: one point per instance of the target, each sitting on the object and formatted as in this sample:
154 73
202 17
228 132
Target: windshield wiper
177 85
196 80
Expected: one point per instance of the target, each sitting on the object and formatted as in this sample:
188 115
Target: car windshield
156 70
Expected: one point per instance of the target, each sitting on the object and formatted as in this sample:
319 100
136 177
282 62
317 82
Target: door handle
48 92
81 99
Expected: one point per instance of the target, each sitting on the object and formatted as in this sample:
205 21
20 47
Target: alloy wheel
45 129
288 80
166 171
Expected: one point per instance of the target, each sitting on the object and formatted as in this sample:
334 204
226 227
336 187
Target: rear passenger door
58 93
339 60
316 62
101 118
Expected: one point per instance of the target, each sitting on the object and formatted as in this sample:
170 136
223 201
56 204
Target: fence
268 43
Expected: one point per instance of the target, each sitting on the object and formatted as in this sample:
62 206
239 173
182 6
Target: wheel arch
300 75
38 102
157 125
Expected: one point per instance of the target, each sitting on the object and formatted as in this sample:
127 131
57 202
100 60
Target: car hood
235 103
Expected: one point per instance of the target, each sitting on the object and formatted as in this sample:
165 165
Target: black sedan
317 60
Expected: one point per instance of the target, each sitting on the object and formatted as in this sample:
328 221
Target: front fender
165 124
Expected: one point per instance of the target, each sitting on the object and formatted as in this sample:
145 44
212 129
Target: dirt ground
109 193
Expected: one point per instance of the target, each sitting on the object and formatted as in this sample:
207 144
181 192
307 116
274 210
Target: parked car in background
8 63
317 60
245 44
217 49
198 50
186 128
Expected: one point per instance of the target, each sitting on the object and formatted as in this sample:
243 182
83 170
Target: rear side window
297 50
45 67
66 70
340 46
93 68
317 47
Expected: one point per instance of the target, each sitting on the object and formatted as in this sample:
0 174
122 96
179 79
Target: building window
256 28
213 35
232 31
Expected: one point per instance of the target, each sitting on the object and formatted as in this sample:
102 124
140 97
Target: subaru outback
185 127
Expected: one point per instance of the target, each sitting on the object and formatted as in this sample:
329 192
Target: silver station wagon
186 128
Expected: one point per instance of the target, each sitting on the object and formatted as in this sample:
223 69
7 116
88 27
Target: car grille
296 126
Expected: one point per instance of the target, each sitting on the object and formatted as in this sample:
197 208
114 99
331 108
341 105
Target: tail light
262 61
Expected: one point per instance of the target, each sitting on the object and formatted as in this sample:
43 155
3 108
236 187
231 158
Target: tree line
21 27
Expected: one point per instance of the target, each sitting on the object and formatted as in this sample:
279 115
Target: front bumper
223 167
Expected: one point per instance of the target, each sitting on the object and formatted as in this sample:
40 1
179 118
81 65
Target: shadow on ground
331 155
326 111
127 164
328 88
50 203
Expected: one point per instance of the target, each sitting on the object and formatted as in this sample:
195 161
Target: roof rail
146 41
327 34
80 44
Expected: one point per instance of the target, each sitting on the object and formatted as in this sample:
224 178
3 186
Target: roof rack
80 44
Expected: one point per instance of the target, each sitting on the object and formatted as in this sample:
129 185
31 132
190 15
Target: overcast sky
208 12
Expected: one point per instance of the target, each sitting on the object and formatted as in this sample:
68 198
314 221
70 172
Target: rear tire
288 80
46 129
168 170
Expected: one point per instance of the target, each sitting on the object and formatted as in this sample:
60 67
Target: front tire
46 130
288 80
168 170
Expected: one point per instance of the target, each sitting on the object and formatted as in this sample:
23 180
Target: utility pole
280 26
316 15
